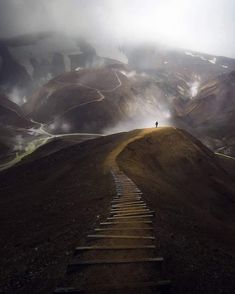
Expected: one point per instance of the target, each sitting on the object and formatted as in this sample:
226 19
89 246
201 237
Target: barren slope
194 197
47 206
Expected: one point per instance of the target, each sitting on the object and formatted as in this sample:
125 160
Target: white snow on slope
213 60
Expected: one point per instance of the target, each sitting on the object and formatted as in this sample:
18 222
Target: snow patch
190 54
213 60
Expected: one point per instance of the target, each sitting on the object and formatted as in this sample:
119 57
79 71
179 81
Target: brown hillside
48 205
194 198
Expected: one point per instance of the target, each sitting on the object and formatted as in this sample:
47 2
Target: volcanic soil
49 204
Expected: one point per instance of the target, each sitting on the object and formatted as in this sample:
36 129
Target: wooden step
121 213
127 183
128 205
131 187
121 237
157 286
125 193
127 202
134 214
126 222
127 186
128 217
128 192
73 266
139 212
129 209
121 229
126 197
133 192
84 248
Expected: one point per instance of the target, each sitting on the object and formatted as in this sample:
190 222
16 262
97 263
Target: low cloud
202 25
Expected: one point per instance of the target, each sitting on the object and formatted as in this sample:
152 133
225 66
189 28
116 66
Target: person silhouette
156 124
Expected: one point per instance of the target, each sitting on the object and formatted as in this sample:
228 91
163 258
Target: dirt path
120 255
100 98
110 162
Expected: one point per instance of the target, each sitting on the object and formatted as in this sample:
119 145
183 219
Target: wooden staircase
120 256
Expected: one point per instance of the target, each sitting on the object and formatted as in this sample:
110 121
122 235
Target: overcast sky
202 25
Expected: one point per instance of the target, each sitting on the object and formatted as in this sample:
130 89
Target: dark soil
193 195
47 207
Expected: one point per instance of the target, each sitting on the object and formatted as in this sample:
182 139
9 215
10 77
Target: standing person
156 124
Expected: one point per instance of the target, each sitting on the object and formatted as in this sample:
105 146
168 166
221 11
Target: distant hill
179 87
211 114
85 100
192 65
29 61
13 74
13 125
11 114
92 100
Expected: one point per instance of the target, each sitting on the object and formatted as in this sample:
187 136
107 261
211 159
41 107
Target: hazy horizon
205 26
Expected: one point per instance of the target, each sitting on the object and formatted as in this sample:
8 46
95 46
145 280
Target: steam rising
16 97
194 88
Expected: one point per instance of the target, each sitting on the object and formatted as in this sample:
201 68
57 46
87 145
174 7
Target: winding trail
99 99
33 145
120 256
37 143
110 162
224 155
